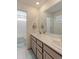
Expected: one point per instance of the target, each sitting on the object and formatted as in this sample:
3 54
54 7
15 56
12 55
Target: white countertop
53 41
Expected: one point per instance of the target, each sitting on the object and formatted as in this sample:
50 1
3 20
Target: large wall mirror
51 20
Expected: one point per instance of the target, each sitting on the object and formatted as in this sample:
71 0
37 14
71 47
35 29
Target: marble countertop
53 41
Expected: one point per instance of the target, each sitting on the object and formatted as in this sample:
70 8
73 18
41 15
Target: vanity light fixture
37 3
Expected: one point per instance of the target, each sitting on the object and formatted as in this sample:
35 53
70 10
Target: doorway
21 28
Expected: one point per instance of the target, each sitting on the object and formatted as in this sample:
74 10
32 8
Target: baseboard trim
29 48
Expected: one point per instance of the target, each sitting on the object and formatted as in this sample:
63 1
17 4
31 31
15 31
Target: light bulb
37 3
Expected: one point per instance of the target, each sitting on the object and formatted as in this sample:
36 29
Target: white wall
21 24
21 29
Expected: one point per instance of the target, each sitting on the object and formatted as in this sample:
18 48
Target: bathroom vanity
45 46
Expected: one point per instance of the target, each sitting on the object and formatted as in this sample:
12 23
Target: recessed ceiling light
37 3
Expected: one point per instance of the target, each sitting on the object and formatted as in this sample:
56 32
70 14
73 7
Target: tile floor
22 52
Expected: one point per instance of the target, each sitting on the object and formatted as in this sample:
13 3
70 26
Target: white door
21 23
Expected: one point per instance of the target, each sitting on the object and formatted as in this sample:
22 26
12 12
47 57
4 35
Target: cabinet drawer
39 43
39 48
39 55
52 52
33 38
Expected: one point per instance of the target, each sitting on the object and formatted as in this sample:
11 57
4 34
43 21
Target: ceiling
55 8
32 2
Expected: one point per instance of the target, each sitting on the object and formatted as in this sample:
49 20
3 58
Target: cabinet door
39 43
52 52
47 56
34 46
39 55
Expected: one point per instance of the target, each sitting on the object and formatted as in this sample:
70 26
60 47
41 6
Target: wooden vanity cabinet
43 51
37 47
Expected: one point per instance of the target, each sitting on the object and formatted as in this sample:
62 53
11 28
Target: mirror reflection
54 23
51 20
